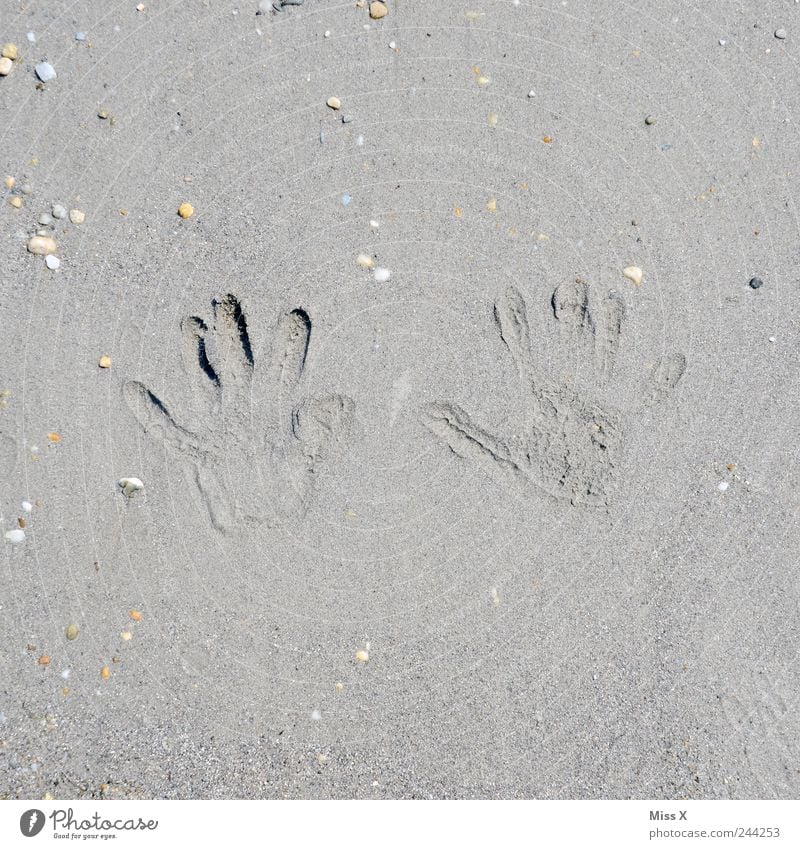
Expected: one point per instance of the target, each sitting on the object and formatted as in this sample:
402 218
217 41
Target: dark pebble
756 283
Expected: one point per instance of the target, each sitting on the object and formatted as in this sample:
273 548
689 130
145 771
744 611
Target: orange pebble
136 616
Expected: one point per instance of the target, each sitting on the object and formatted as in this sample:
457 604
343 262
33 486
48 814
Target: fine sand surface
505 524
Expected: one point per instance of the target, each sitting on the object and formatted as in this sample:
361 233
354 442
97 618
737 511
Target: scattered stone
53 436
135 615
316 715
126 636
531 93
378 10
72 631
59 211
45 219
779 33
495 596
634 274
491 206
723 486
42 245
102 115
339 687
649 120
45 71
27 189
104 361
334 103
6 66
16 202
16 536
10 52
76 216
755 283
382 275
492 119
105 672
130 486
31 37
52 262
365 261
483 81
346 199
140 7
44 660
27 506
362 656
186 210
80 36
347 119
9 182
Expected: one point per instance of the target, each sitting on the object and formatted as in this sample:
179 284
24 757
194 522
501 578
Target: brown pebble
44 660
21 522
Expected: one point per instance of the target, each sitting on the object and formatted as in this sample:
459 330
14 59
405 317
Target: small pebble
492 119
491 206
16 536
633 273
723 486
27 506
6 66
374 225
76 216
346 199
339 687
52 262
327 33
316 715
45 71
364 261
382 275
10 52
378 10
104 361
16 202
186 210
360 140
362 656
347 119
126 636
649 120
755 283
483 81
779 33
105 673
72 631
42 245
44 660
334 103
9 182
135 615
771 338
722 42
59 211
31 37
130 486
531 93
80 36
102 115
45 219
26 189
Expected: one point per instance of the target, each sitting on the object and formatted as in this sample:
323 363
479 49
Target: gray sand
557 509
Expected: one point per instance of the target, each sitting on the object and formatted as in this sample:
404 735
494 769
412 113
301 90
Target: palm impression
570 446
253 447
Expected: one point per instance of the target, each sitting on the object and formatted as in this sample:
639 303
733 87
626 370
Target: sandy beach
399 406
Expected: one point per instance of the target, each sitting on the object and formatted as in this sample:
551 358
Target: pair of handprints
251 421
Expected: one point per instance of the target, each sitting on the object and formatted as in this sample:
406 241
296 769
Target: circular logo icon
31 822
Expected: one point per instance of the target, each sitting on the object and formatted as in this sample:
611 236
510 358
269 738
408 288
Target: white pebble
65 673
130 486
531 93
382 275
59 211
27 506
316 715
32 37
723 486
45 71
374 225
771 338
364 261
76 216
52 262
327 33
45 219
633 273
16 536
392 45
